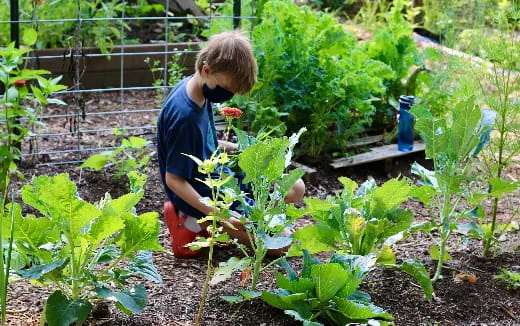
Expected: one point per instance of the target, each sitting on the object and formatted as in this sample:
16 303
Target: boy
226 66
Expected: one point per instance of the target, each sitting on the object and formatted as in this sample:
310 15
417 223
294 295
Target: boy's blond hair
230 53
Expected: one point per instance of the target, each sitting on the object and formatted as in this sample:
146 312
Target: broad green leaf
141 233
56 198
232 298
314 237
137 142
103 227
433 131
424 194
302 285
466 120
95 162
428 177
389 196
287 181
291 274
39 271
142 264
470 229
349 186
359 311
61 311
435 253
416 269
226 269
308 261
363 264
318 209
486 126
274 242
329 279
400 220
29 36
264 159
366 188
130 301
298 317
499 187
126 203
283 302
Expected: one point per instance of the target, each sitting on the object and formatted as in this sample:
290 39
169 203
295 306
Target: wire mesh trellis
85 126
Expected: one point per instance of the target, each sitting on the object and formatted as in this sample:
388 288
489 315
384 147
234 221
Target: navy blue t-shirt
184 127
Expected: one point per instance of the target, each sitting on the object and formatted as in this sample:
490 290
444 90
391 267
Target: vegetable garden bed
174 302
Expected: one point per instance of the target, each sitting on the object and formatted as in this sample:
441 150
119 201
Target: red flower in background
41 2
19 83
231 112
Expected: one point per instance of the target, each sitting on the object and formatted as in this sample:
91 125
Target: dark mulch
175 301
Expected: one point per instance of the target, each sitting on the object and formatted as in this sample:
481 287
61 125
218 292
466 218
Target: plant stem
489 241
259 257
198 317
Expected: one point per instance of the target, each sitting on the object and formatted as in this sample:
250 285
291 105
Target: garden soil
468 293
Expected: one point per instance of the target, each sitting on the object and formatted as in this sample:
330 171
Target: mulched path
175 301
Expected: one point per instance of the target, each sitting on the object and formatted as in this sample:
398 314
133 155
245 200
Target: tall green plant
453 146
496 86
76 248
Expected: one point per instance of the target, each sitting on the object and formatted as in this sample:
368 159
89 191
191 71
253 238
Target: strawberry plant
449 190
361 221
77 249
326 293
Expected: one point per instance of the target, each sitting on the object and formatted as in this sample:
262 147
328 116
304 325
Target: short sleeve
179 141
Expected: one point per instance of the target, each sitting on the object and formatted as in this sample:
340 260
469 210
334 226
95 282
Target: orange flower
231 112
41 2
19 83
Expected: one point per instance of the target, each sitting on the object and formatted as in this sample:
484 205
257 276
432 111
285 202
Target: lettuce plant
327 293
364 220
77 248
449 191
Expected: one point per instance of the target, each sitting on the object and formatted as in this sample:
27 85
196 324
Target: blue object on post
405 132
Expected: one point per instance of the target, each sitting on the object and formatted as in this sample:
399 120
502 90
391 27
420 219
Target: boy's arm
183 189
227 146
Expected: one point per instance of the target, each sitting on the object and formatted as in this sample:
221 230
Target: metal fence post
237 12
15 25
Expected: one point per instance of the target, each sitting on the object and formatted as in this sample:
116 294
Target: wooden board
368 140
376 154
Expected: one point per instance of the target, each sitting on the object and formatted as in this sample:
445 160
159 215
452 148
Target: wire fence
86 124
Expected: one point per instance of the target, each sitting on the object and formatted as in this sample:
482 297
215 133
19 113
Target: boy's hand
227 146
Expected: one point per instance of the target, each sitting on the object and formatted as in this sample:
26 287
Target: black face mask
217 94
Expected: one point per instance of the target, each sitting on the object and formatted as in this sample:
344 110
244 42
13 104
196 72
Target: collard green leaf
363 264
291 274
140 233
470 229
390 195
274 242
104 227
298 317
318 209
417 270
142 264
248 295
226 269
39 271
56 198
359 311
308 261
486 126
129 301
283 302
349 186
433 131
366 188
424 194
329 279
60 311
386 256
314 237
126 203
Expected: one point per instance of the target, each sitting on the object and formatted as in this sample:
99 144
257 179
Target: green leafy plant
327 292
132 154
452 145
511 278
311 68
25 92
264 164
361 221
76 248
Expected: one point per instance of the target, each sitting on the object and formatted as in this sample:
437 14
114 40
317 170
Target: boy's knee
296 193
